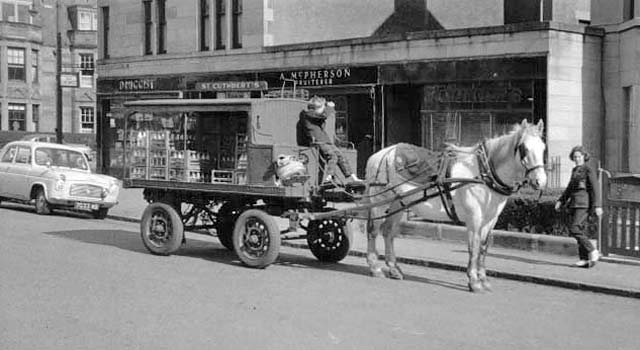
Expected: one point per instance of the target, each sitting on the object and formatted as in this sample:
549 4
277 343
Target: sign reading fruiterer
323 76
69 80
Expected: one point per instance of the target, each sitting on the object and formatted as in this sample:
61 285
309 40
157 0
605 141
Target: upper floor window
236 24
87 119
16 11
162 26
105 32
15 62
629 10
87 20
34 65
205 25
221 27
148 27
87 67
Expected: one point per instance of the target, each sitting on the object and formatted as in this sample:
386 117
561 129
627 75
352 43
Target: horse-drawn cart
230 167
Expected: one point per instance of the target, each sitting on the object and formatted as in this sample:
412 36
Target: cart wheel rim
328 235
160 230
254 242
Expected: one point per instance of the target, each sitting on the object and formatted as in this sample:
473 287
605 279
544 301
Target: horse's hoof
395 273
486 285
376 272
476 287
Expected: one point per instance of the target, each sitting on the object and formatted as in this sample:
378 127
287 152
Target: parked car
51 138
54 176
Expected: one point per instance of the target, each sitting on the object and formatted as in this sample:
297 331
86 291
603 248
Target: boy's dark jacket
583 190
310 130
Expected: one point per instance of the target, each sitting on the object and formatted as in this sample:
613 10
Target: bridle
520 148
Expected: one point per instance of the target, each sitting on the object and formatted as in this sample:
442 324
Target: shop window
87 67
87 120
15 61
221 27
236 24
16 11
162 26
34 65
105 32
17 117
205 25
148 27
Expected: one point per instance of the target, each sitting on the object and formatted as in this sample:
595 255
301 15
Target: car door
18 174
6 162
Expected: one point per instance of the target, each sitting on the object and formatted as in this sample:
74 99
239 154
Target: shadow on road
517 258
26 208
215 252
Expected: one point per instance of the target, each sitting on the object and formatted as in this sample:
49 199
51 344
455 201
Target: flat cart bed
218 188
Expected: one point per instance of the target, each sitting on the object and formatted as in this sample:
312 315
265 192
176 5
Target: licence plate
85 206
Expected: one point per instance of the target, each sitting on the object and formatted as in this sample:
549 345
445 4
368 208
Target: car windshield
60 158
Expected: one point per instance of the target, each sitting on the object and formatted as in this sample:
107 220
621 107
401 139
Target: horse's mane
517 130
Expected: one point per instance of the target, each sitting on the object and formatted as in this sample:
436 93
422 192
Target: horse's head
530 150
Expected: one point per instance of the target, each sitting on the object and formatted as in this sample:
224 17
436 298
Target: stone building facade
28 84
417 71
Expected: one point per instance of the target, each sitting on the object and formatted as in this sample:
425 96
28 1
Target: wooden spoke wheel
161 229
256 238
329 239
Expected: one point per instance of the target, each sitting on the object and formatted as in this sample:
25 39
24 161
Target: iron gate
620 234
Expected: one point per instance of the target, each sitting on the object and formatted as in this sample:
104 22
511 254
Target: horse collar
489 175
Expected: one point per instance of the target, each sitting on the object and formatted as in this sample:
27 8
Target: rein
490 177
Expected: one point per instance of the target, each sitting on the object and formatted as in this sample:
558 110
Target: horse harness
445 184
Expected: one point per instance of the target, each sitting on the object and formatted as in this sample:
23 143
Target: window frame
161 36
35 65
221 26
87 69
87 116
105 31
13 67
147 14
14 109
236 24
205 25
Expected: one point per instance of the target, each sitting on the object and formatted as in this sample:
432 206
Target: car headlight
60 182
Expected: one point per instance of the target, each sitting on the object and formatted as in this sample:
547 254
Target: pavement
542 260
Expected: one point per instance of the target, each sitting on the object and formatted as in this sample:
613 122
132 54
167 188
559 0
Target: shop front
353 89
461 102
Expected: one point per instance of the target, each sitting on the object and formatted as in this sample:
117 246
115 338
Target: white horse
492 170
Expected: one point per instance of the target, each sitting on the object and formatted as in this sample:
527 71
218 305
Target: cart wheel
225 219
329 239
161 229
256 238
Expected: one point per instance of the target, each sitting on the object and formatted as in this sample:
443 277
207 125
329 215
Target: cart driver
310 132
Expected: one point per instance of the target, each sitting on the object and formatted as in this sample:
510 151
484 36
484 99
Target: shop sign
69 80
138 85
324 76
232 86
459 93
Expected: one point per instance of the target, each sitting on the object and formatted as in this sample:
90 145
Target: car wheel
42 206
101 213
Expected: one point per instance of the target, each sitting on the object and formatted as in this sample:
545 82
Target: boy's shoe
582 263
